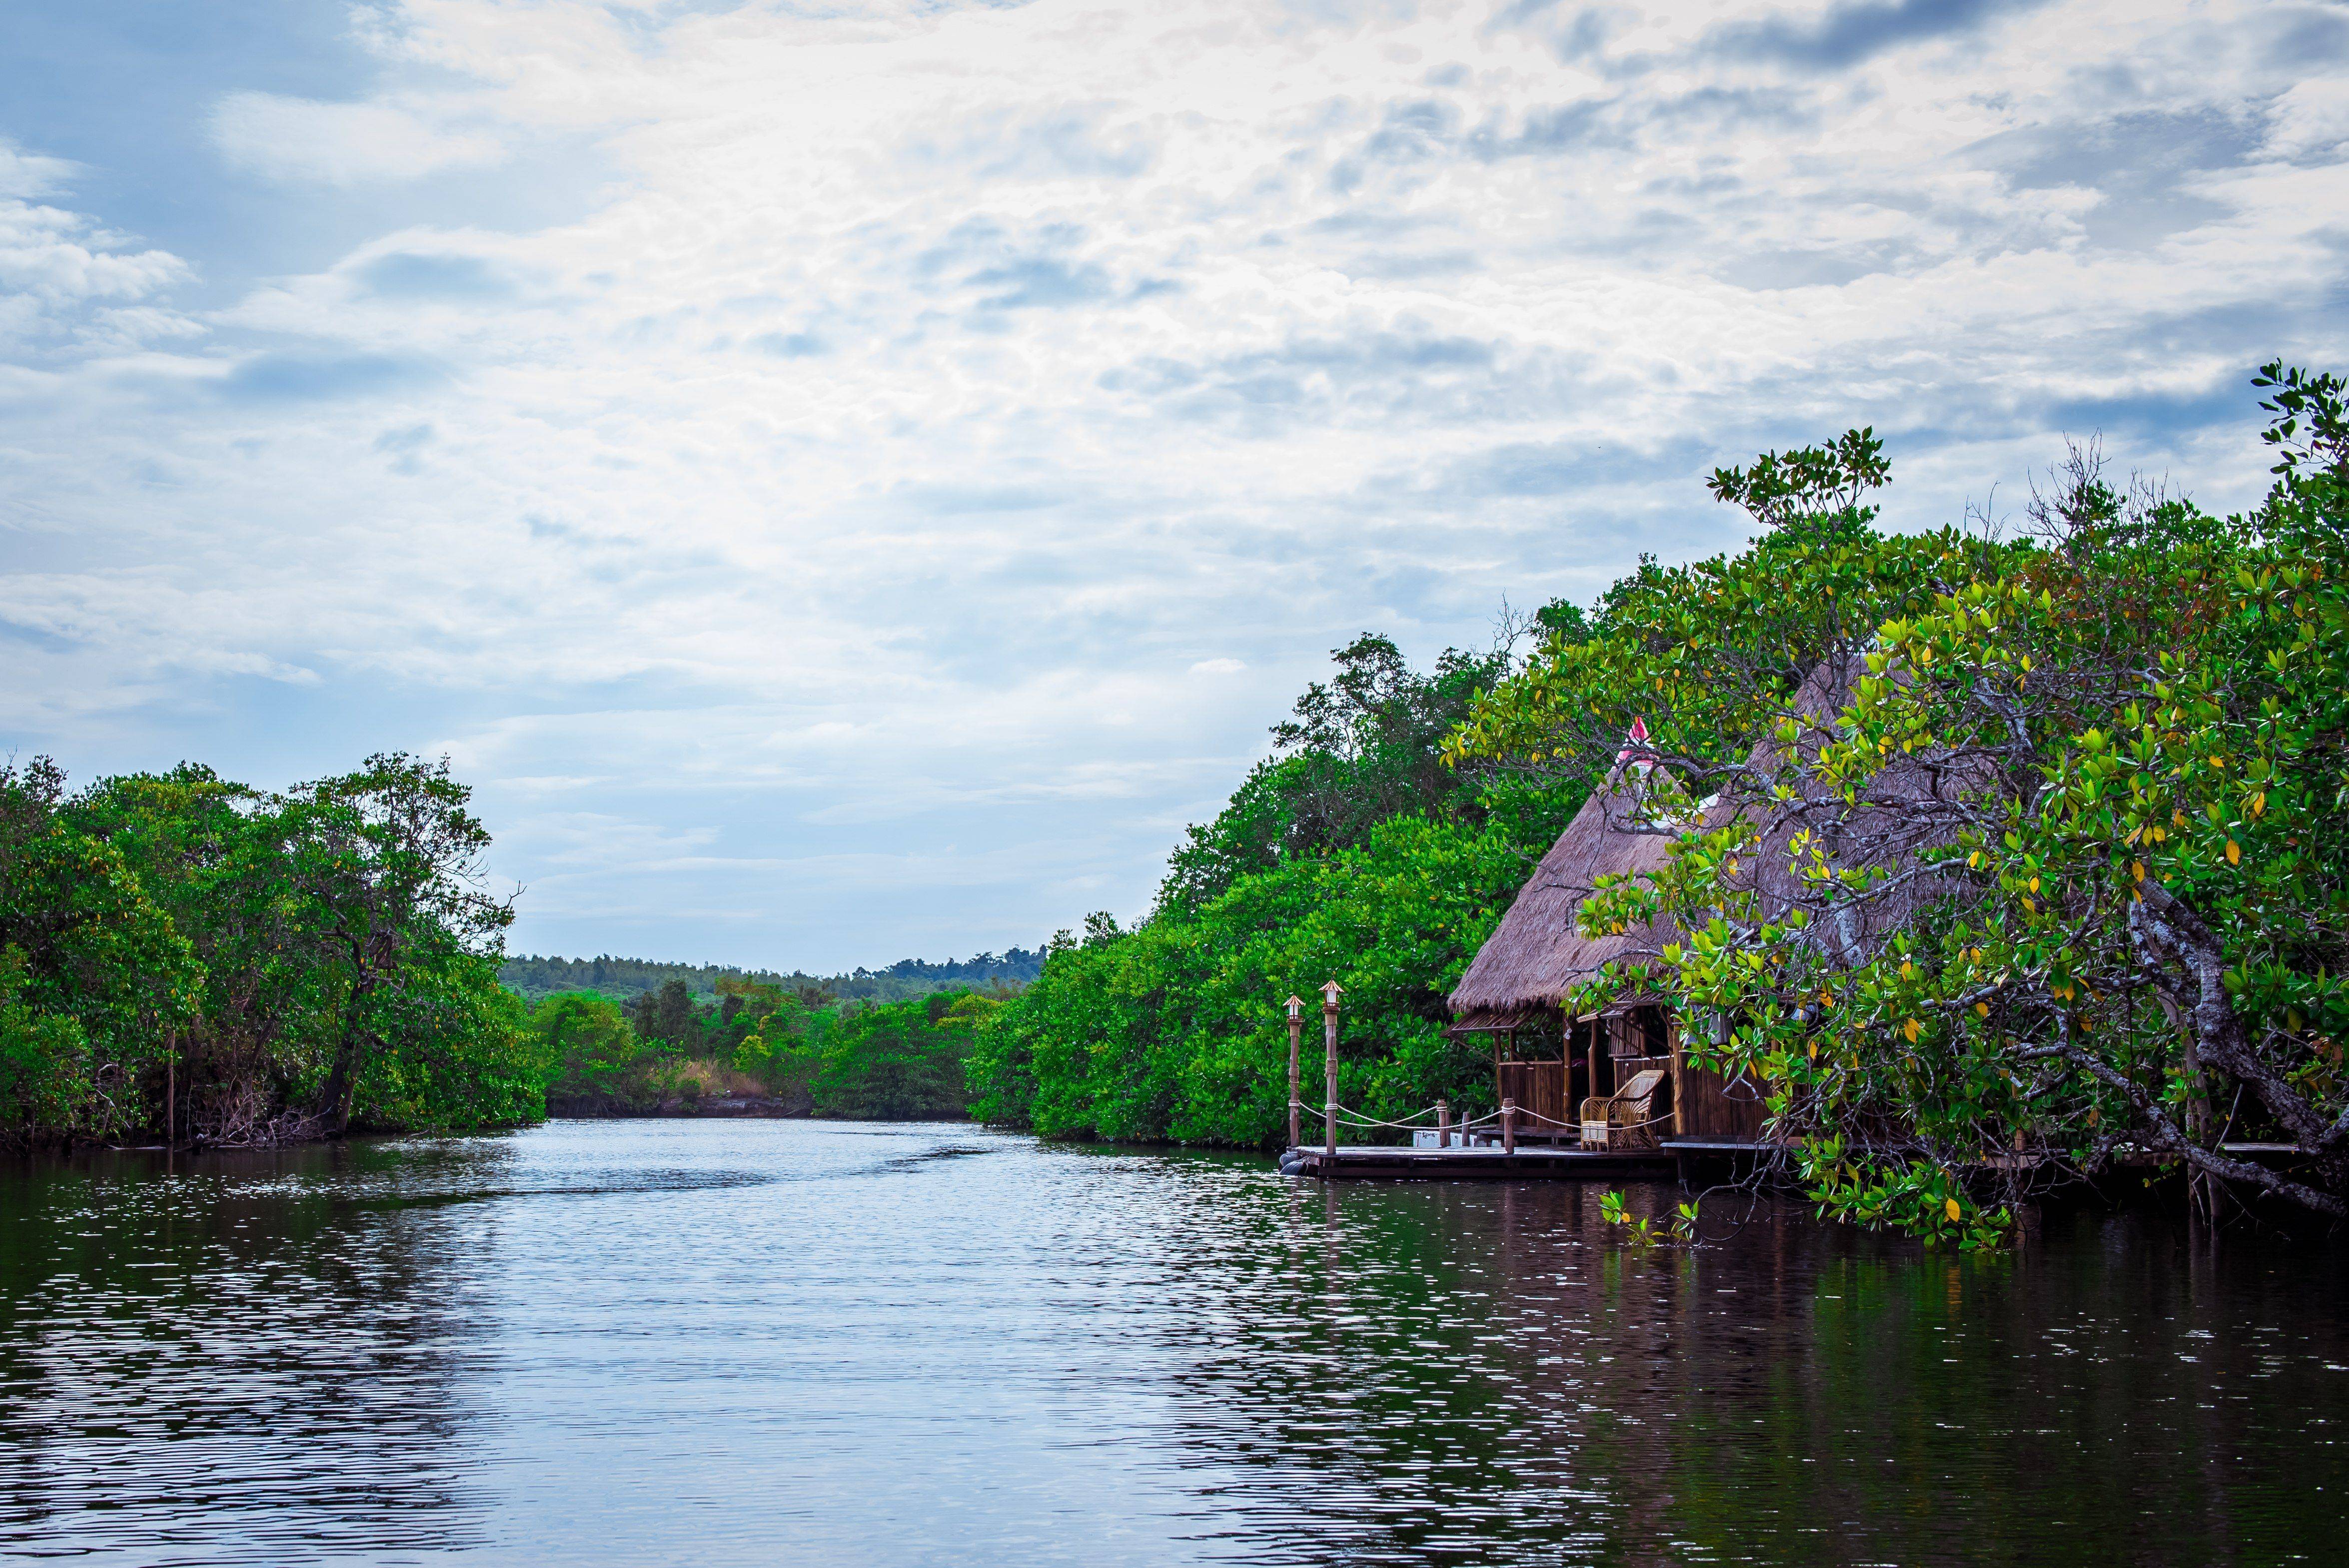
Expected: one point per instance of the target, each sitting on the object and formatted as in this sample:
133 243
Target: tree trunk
2173 936
368 959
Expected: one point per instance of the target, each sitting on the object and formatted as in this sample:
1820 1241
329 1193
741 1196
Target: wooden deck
1672 1157
1539 1162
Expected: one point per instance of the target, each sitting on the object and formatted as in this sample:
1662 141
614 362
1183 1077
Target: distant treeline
665 1052
535 978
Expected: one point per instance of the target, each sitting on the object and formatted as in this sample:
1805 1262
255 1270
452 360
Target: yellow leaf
2234 853
1910 1028
2136 869
1982 1008
1950 1207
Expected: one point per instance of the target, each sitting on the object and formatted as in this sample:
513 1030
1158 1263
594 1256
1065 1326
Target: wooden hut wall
1711 1106
1541 1088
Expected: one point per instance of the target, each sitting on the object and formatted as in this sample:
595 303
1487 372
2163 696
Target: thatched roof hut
1538 954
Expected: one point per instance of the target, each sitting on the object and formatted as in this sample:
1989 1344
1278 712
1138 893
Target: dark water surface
792 1342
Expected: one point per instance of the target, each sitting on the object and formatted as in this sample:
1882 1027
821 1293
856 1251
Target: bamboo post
1680 1097
1508 1126
1295 1029
1444 1124
1330 992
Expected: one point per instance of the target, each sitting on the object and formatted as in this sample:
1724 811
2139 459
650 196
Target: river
824 1343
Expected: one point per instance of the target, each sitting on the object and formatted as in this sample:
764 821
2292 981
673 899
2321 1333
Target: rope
1354 1118
1616 1126
1348 1114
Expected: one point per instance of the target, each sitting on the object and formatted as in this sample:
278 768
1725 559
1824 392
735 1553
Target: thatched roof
1537 954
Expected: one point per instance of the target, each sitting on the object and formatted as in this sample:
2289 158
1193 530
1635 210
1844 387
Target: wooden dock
1528 1162
1671 1158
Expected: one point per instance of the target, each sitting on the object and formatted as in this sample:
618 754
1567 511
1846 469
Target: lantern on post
1295 1029
1330 992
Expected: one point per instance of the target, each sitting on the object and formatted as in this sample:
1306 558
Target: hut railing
1417 1120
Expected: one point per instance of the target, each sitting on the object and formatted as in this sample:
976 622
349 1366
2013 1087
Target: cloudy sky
851 480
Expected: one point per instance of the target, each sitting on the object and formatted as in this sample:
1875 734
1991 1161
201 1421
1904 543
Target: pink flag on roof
1637 737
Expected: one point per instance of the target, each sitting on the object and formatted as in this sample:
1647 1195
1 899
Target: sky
850 481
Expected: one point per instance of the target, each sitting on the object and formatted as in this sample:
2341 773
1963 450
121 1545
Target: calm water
643 1342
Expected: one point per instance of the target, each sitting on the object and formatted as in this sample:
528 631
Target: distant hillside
620 978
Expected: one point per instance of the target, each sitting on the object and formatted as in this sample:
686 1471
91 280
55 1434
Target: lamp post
1330 992
1295 1029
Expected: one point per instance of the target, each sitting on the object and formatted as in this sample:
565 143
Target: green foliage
900 1061
1356 857
185 953
593 1057
45 1057
1644 1233
464 1056
1812 488
880 1061
93 980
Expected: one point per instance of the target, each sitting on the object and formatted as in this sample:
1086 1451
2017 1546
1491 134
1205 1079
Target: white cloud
54 260
2311 120
24 174
299 139
867 470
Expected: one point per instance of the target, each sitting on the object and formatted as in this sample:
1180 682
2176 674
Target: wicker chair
1621 1119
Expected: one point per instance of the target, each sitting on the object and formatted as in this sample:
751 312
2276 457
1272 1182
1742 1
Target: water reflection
263 1349
621 1343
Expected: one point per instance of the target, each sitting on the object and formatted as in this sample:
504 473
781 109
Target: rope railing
1417 1120
1354 1118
